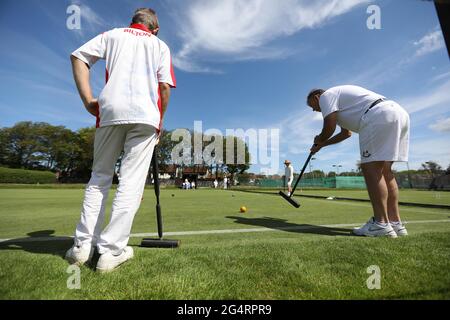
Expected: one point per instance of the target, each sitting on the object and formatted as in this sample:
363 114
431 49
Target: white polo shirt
289 173
136 62
351 102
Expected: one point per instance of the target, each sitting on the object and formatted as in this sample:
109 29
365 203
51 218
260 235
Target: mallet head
160 243
289 199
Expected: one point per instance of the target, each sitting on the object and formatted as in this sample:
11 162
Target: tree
165 147
3 142
315 174
432 167
202 146
67 151
80 167
350 174
20 149
331 174
240 161
57 146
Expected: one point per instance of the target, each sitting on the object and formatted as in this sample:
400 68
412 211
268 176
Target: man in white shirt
129 114
383 128
288 175
225 182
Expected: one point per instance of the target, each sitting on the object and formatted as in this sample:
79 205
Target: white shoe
79 255
373 229
399 228
108 261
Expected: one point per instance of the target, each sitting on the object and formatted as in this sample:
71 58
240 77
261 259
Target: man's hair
147 17
313 92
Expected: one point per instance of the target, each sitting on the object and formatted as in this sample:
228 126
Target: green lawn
406 195
413 196
294 259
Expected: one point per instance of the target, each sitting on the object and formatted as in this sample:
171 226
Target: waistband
375 103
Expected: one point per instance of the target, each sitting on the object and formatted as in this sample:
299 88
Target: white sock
384 225
396 223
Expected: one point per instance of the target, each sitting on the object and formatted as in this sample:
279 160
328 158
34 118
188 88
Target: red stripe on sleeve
172 74
160 109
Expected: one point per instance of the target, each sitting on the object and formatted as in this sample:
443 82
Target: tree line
42 146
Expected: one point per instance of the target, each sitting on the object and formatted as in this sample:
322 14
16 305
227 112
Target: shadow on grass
284 225
43 242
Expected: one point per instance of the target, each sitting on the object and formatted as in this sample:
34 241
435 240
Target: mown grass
314 263
405 195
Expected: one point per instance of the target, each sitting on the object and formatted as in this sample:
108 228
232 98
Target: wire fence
405 181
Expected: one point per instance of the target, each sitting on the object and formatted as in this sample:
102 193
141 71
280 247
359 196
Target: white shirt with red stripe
136 62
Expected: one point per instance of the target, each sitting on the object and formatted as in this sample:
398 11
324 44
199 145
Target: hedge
8 175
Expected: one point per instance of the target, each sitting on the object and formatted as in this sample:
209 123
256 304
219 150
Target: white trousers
137 141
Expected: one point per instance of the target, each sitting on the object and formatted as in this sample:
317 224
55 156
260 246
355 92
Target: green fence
331 182
357 182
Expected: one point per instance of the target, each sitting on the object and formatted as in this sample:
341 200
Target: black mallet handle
301 173
156 186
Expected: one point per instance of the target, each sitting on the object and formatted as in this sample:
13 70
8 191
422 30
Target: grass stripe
221 231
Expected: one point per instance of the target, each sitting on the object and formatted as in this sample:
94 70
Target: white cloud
89 16
429 43
437 98
41 53
240 30
91 21
429 149
391 66
442 125
298 130
441 76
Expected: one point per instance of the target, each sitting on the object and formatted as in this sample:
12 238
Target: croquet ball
243 209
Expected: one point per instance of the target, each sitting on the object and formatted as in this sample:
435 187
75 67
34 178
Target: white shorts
384 133
289 182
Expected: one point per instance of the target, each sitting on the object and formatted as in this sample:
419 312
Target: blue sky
243 64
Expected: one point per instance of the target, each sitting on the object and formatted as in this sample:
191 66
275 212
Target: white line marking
223 231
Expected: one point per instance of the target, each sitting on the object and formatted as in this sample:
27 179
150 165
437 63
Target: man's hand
317 140
318 144
92 107
315 148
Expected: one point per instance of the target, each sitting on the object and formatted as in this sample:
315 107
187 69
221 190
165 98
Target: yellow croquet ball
243 209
